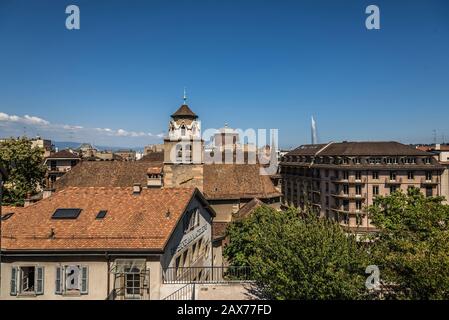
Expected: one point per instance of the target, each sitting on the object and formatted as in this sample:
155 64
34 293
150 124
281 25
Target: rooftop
137 222
364 148
184 111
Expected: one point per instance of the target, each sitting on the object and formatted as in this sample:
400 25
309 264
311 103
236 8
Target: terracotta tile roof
219 230
131 222
387 148
6 210
248 208
236 181
63 154
153 157
184 111
106 174
154 170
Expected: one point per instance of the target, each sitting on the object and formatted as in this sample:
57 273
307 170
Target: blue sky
252 64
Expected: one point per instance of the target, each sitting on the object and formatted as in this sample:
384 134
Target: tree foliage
25 167
412 247
296 255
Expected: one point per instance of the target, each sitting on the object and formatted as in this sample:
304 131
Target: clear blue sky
252 64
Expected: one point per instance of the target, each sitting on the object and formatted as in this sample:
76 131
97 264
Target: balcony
349 195
351 180
207 274
393 181
431 181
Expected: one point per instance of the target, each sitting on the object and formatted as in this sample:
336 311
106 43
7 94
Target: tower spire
185 96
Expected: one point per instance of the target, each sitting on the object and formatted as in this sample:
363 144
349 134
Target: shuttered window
14 272
39 280
84 280
58 281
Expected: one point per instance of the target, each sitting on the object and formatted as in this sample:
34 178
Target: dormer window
427 160
183 130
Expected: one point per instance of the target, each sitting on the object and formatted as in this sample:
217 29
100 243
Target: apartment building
339 180
58 164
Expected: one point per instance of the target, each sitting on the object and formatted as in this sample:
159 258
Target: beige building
126 155
106 243
58 164
441 153
43 144
339 180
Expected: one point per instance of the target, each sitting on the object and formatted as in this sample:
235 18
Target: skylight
7 216
101 214
72 213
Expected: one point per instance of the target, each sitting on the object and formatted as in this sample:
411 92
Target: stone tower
183 150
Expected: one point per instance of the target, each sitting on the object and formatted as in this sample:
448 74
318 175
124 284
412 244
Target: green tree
296 255
412 247
25 166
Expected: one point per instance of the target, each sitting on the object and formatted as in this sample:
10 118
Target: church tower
183 149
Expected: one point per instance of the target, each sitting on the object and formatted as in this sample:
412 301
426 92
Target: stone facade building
339 180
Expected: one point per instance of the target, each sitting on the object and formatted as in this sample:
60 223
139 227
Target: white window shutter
58 281
39 276
14 274
84 280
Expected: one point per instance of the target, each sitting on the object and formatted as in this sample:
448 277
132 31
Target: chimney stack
137 188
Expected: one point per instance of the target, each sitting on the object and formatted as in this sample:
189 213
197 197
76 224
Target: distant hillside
74 145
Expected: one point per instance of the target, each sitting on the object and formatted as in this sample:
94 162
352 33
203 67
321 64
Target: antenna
185 96
434 136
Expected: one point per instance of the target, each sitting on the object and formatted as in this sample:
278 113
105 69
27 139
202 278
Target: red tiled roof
184 111
106 174
63 154
236 181
136 222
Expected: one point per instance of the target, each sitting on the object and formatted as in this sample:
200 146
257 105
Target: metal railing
216 274
186 292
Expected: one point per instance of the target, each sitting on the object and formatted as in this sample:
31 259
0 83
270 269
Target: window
101 214
427 160
73 163
410 175
429 191
358 219
27 280
357 160
392 160
71 279
66 214
132 283
346 189
358 205
393 176
327 186
326 173
410 160
345 175
375 175
183 130
191 220
393 189
375 190
358 189
358 175
428 175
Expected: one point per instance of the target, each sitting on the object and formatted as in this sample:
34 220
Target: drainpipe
108 275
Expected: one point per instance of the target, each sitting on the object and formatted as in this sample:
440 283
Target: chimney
137 188
47 192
